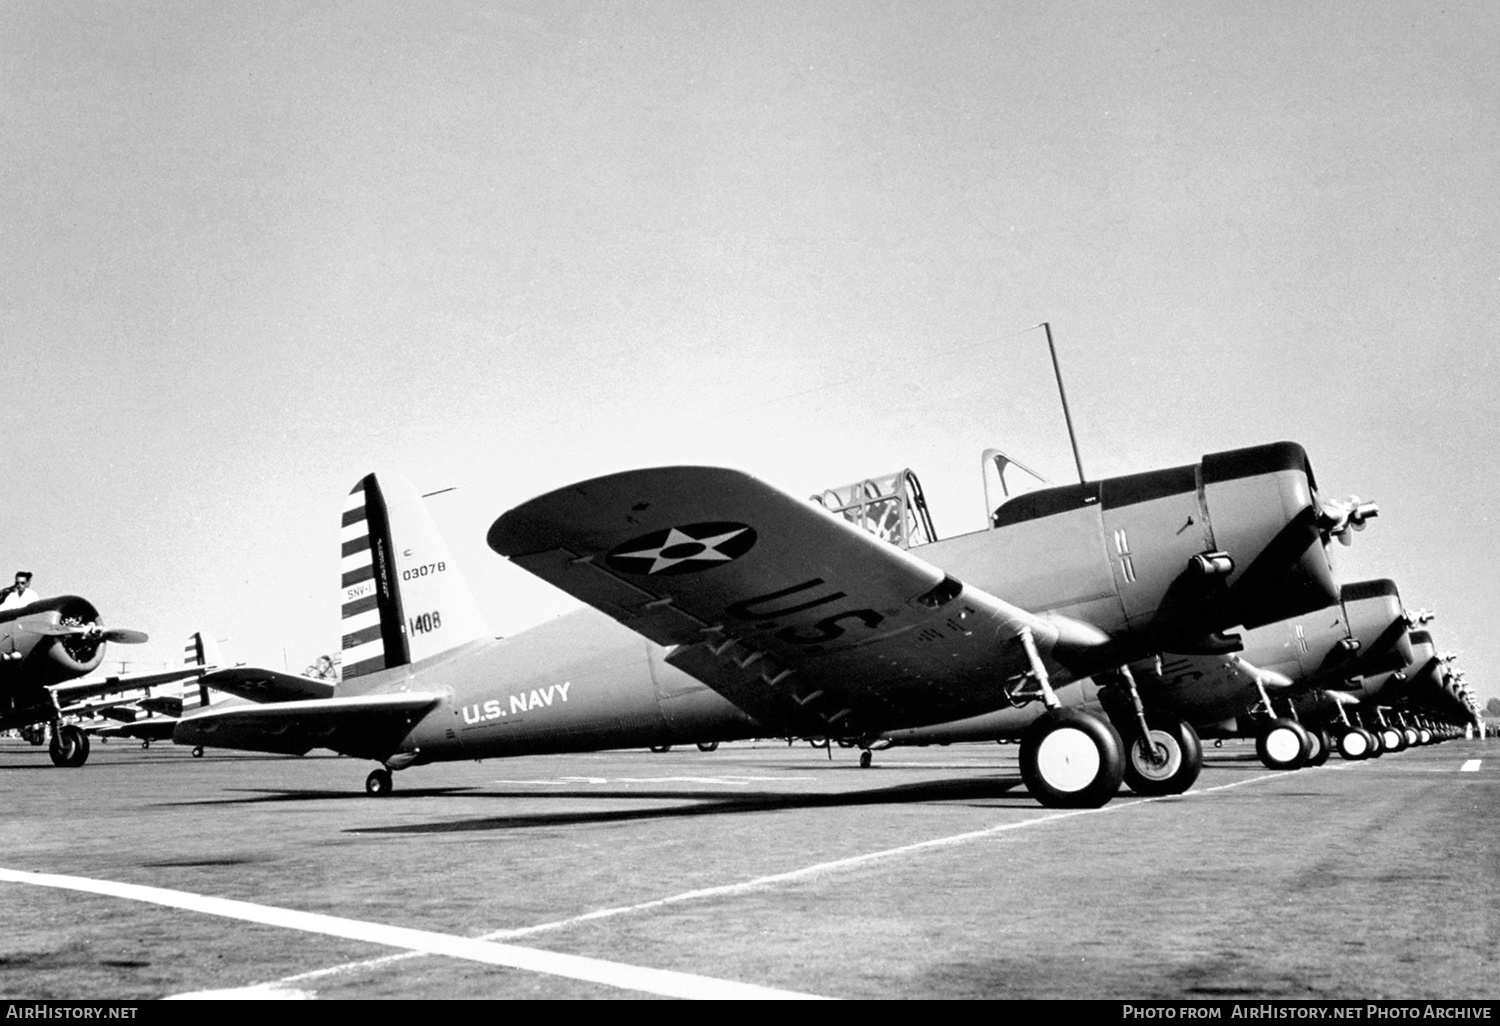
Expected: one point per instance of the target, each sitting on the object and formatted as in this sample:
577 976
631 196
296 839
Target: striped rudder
403 598
372 611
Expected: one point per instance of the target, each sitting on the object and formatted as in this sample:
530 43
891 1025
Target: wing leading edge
799 618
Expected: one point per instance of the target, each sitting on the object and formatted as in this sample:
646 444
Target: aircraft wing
152 728
364 726
807 623
75 691
261 685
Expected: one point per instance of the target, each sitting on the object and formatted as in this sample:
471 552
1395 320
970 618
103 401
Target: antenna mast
1063 395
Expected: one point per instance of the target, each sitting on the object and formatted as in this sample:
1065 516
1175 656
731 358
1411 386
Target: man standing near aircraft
19 594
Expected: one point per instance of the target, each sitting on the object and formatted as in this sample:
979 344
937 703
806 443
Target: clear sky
250 252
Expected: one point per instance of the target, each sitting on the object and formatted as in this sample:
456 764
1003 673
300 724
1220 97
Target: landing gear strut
1069 759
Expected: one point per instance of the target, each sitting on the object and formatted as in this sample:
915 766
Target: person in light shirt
20 594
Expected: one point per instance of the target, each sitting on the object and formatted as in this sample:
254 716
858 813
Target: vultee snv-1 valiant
732 609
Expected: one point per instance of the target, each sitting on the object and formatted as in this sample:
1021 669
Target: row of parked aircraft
1106 626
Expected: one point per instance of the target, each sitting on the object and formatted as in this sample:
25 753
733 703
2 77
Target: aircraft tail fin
201 651
404 599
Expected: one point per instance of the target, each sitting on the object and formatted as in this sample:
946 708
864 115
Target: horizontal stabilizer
78 690
262 685
364 726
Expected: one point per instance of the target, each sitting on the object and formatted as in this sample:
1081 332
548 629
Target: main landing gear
1170 765
1069 759
69 746
1283 745
379 782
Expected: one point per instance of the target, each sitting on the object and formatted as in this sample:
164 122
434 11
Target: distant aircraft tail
403 598
201 651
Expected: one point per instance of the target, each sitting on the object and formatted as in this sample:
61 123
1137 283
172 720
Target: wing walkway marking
1472 766
288 983
661 982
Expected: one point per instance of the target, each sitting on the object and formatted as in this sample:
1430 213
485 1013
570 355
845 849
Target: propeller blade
120 636
51 630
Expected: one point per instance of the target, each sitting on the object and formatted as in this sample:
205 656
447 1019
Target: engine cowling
57 658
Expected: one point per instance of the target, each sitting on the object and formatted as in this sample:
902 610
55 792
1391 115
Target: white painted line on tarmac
1472 766
661 982
766 882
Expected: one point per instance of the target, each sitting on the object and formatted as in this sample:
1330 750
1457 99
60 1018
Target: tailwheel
69 747
1322 746
708 746
865 758
198 752
379 782
1354 744
1283 744
1071 760
1177 763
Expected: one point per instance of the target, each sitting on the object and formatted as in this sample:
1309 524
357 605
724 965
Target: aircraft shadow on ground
701 803
711 803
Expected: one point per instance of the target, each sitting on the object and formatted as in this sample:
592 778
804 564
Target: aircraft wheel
379 782
1377 744
1354 745
1426 736
1181 755
709 746
1071 760
865 758
1411 737
146 744
62 747
818 742
1323 747
658 749
1395 741
1283 744
198 752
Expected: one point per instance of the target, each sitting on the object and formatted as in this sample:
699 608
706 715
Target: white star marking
710 550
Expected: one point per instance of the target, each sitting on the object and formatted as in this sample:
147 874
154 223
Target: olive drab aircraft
817 626
45 647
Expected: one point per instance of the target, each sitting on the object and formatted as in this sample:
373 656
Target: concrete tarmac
758 870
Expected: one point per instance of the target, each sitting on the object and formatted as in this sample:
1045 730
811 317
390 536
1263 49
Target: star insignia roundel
682 550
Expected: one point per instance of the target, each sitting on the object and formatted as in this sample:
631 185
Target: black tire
708 746
198 752
1072 760
379 783
1354 745
1323 745
1183 752
62 748
1282 744
658 749
1394 740
865 758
